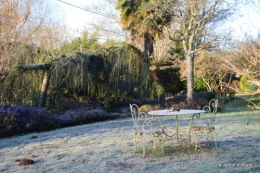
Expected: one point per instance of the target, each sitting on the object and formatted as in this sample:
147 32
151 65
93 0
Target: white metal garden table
175 114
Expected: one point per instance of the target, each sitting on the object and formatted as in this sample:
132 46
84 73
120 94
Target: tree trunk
44 88
148 44
190 77
144 42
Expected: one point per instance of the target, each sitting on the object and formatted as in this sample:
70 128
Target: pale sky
77 18
250 22
74 17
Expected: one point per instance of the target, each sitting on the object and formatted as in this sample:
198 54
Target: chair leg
215 138
196 141
143 146
208 133
161 142
189 136
159 137
197 144
190 139
154 144
135 143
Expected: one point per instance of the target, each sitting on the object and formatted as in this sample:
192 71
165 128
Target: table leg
160 122
177 129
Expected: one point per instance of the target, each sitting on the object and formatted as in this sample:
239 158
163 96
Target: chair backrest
140 119
211 110
212 106
209 117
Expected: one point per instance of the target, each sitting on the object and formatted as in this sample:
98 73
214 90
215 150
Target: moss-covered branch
28 67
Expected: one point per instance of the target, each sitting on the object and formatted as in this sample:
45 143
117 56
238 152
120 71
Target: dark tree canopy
109 74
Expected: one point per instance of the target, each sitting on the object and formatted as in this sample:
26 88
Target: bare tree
107 21
216 77
244 60
245 56
194 26
51 35
25 21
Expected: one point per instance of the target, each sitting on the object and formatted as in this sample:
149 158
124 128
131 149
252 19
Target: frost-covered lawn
108 147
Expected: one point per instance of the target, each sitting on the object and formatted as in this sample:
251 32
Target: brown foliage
25 162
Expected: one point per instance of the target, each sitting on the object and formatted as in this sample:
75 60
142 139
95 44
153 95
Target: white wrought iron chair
204 123
144 129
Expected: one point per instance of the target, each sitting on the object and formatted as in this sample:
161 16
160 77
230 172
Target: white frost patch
108 147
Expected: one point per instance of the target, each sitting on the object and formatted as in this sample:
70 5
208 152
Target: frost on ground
108 147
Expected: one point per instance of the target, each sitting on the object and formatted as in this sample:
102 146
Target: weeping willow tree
23 73
113 74
128 73
41 79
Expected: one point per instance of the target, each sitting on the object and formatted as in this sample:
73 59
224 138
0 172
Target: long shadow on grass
245 146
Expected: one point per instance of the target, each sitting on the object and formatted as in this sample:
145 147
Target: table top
181 112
